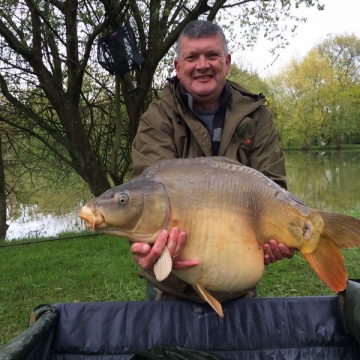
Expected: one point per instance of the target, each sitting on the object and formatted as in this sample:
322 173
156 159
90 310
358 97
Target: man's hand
146 255
273 251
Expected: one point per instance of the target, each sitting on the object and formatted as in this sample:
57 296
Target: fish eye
123 199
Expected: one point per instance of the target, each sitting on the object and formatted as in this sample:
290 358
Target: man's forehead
193 44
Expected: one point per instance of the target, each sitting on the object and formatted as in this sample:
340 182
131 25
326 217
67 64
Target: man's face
202 67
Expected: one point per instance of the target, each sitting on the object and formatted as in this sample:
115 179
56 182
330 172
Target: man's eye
213 56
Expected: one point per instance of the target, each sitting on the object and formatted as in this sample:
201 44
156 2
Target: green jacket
169 129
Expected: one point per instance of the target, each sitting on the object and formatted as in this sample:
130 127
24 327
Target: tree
3 226
342 53
316 96
248 79
58 94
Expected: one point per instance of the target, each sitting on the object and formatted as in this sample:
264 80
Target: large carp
228 211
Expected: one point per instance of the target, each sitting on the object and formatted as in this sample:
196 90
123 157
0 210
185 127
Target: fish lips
93 219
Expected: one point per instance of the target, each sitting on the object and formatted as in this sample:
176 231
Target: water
36 222
327 181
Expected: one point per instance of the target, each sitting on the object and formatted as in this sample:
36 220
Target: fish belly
230 257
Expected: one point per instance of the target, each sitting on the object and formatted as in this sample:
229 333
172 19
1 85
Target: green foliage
248 79
316 98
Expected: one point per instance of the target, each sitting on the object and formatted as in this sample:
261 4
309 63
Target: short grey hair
199 29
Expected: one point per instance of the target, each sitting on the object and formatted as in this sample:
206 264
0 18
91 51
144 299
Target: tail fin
344 230
340 231
328 263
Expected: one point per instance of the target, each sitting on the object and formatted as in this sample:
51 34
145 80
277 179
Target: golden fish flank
228 211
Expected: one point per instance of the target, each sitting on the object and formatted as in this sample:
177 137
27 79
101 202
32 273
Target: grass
100 268
296 278
96 268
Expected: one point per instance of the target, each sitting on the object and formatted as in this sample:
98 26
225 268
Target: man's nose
203 62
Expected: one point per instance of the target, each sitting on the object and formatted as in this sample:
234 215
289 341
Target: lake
328 180
325 180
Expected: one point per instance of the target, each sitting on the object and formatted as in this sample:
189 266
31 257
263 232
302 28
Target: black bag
351 307
118 53
174 353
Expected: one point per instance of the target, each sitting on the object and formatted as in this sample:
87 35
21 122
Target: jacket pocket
244 133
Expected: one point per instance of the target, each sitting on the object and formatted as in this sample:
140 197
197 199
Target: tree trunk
3 225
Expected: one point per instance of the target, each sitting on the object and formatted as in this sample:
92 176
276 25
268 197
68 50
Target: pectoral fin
163 265
209 298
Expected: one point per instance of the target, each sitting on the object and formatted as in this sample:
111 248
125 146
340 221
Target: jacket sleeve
154 140
266 154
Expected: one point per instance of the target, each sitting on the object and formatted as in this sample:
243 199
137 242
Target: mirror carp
228 211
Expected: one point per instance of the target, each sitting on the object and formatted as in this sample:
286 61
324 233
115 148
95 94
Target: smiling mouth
205 77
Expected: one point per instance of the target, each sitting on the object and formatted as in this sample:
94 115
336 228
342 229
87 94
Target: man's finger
158 246
147 261
172 240
267 259
140 249
269 256
276 253
181 239
184 264
286 252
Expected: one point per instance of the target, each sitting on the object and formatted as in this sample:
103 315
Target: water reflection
326 180
33 221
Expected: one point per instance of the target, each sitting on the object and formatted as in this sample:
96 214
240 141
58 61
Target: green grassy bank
95 268
100 268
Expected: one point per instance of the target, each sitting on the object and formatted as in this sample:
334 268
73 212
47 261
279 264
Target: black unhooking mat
263 328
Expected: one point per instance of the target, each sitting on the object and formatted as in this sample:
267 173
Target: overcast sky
339 16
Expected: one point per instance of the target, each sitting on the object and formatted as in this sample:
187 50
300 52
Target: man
200 113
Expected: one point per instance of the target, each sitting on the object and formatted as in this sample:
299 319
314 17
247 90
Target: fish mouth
92 218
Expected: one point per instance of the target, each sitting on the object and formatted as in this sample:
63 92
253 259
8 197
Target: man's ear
177 67
227 62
